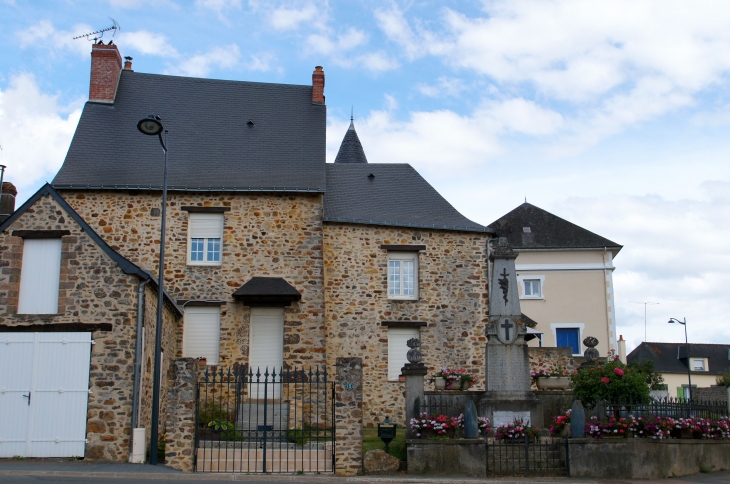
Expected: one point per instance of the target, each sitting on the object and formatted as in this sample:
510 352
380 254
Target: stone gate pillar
414 371
348 416
182 379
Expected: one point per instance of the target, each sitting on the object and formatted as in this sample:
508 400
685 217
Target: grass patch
370 441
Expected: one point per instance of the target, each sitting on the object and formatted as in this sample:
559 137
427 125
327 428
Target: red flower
605 380
618 371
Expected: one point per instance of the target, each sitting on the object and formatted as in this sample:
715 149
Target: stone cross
507 325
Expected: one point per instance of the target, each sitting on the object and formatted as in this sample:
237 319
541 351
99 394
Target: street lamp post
686 342
152 126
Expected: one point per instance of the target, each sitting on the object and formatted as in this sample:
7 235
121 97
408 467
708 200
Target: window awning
267 291
532 334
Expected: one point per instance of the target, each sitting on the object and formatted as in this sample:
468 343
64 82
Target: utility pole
644 303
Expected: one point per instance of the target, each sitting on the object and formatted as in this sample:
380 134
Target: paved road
69 470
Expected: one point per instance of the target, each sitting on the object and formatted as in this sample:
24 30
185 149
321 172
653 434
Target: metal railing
543 457
663 407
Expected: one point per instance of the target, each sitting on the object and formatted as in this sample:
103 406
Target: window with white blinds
40 276
202 333
205 238
398 349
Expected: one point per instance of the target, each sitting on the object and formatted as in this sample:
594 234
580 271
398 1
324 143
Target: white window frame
581 328
211 327
40 276
705 366
208 237
397 350
521 281
407 257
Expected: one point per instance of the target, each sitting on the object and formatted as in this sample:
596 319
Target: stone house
77 322
278 258
706 362
565 279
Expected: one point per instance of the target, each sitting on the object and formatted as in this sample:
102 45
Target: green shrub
615 382
723 379
211 412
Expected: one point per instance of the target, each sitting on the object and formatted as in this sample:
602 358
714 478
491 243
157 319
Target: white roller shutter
205 226
202 333
39 276
398 349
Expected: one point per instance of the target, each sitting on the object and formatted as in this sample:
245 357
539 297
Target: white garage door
44 391
266 348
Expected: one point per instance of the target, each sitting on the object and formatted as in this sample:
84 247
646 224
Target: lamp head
671 320
150 125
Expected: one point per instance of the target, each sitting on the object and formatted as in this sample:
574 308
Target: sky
613 115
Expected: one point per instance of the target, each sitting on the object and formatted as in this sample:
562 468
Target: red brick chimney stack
318 85
127 63
106 66
7 201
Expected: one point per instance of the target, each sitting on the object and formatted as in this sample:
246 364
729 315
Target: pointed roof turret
351 150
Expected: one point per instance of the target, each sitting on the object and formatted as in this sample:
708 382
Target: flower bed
427 425
659 428
516 431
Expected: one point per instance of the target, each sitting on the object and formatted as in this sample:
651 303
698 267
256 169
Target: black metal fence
444 403
544 457
663 407
265 422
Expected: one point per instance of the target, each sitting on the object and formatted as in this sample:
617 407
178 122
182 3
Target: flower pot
439 383
553 383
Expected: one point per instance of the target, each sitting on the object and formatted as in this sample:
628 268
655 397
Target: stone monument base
503 407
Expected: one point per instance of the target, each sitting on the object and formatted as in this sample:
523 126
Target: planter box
553 383
685 434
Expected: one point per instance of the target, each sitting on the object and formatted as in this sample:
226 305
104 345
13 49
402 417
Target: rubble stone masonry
93 289
453 304
276 235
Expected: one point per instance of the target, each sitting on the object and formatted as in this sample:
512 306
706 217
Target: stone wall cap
446 442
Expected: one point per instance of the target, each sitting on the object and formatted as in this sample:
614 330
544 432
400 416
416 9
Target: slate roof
124 264
211 145
548 231
351 149
664 356
267 288
388 194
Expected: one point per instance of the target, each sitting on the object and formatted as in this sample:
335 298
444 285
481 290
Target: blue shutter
568 338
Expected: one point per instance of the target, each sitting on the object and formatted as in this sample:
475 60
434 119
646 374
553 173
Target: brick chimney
318 85
7 201
106 66
127 63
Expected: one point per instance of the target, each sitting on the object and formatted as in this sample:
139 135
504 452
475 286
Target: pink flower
618 371
605 380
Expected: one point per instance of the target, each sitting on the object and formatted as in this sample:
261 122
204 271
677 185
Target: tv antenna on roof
115 26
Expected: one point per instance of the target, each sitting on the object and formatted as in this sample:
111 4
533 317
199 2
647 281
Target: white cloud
148 43
376 62
200 65
336 45
284 18
444 86
614 64
36 132
219 5
44 35
261 62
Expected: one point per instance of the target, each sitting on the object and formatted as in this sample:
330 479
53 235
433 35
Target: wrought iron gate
265 422
546 457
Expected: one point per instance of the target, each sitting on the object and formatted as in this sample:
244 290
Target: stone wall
348 415
452 303
171 346
264 235
93 289
646 458
551 358
457 457
182 378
